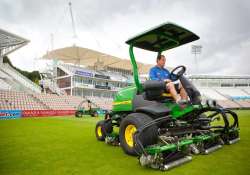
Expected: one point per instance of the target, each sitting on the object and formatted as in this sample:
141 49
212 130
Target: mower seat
156 91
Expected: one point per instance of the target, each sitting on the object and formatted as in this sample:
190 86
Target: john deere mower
152 125
86 111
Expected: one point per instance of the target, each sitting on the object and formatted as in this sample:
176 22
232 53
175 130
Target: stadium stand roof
10 77
91 58
10 42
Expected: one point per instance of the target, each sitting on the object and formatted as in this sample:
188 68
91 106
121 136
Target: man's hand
167 80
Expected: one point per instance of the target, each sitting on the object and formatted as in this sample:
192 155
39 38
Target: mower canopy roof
163 37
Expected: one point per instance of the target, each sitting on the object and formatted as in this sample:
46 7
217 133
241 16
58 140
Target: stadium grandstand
17 92
10 78
91 74
80 74
228 91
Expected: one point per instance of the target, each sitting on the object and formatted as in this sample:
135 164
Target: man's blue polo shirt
157 73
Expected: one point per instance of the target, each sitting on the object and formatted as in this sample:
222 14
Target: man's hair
159 57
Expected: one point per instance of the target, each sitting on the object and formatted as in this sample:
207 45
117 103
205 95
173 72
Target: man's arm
167 80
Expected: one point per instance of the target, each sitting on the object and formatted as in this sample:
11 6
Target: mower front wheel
128 127
99 130
103 128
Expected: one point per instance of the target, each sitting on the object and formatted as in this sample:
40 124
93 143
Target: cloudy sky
104 25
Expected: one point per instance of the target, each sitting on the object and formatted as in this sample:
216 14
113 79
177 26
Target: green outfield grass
67 145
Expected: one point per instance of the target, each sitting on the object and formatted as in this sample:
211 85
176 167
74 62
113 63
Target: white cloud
106 25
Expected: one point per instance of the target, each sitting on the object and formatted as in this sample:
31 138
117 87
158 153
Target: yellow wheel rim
99 131
129 131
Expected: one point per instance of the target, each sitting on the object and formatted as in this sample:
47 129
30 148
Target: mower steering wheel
175 76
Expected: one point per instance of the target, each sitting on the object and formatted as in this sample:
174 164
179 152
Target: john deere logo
122 102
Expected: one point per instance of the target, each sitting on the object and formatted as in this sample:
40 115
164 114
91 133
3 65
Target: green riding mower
82 110
152 125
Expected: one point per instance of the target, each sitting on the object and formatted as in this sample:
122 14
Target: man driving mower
160 73
148 124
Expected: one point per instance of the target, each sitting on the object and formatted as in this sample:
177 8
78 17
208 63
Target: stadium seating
53 101
212 94
11 100
228 104
19 100
244 104
247 90
237 96
73 101
227 97
231 92
102 102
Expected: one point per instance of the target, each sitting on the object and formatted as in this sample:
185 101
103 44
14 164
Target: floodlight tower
72 20
196 49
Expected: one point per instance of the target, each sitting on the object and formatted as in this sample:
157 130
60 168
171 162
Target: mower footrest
177 163
212 149
234 141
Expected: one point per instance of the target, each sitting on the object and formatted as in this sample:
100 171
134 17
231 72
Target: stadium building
91 74
82 74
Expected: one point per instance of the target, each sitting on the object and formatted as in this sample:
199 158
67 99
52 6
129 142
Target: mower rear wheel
95 114
128 127
78 114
